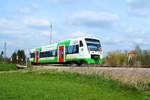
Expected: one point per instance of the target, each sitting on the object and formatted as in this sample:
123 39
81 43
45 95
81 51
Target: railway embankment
138 77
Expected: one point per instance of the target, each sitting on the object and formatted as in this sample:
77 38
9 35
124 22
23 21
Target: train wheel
83 64
73 64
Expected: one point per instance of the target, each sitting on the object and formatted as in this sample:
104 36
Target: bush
117 58
143 56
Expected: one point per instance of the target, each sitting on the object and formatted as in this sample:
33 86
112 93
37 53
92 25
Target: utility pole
51 30
5 44
26 54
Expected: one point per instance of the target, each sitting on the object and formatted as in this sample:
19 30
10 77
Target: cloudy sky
119 24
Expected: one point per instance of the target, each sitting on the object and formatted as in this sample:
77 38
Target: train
75 51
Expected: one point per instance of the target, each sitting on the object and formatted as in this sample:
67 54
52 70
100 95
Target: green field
43 85
7 67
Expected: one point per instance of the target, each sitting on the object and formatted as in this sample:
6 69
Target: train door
61 53
36 57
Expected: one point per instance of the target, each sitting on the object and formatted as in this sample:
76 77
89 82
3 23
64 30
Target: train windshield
93 44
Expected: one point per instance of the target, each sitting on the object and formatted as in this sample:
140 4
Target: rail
91 65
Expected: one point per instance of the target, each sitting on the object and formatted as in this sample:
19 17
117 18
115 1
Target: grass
43 85
7 67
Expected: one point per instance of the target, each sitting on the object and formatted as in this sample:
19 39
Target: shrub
117 58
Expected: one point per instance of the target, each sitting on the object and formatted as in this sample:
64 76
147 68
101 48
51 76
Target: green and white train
82 50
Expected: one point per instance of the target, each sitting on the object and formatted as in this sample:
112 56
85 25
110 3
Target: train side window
50 54
81 44
76 49
54 53
32 55
41 54
72 49
66 50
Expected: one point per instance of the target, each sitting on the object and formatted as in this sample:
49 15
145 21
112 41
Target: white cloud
136 36
19 27
47 33
94 19
138 3
139 12
20 34
75 34
58 1
5 23
117 40
36 22
79 34
25 10
133 31
139 8
132 36
8 26
67 1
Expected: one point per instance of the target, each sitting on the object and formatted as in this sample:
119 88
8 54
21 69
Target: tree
145 58
21 56
138 50
139 54
1 57
14 58
2 53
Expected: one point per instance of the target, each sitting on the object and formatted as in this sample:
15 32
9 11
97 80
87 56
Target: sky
119 24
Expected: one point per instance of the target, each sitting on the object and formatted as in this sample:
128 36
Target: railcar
82 50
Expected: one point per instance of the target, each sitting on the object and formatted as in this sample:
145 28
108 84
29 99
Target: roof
78 38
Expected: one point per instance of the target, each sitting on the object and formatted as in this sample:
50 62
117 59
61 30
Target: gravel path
126 75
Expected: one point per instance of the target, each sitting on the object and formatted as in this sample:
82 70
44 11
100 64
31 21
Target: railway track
91 65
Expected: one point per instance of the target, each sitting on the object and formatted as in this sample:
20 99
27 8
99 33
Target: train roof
55 44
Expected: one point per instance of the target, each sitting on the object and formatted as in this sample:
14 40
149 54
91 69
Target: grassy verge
42 85
7 67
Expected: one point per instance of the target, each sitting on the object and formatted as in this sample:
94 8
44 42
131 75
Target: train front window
93 44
